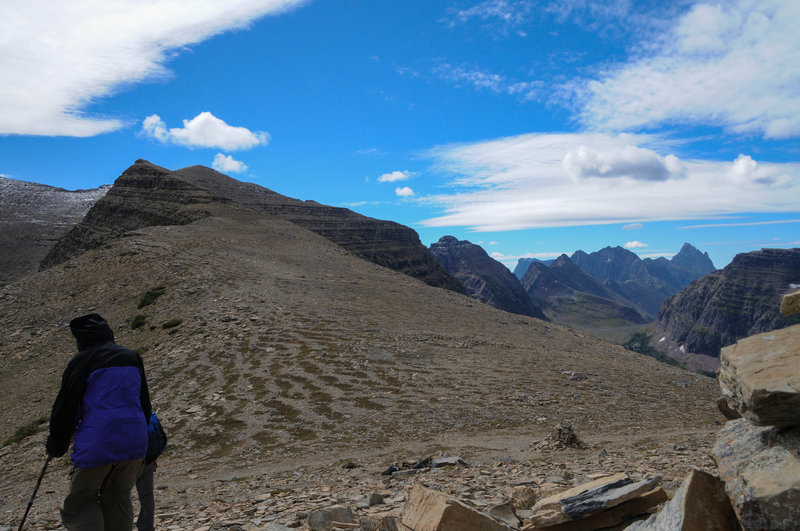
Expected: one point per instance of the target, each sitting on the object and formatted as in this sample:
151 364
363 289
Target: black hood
90 330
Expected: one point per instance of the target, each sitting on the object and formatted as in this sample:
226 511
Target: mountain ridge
740 300
483 277
183 196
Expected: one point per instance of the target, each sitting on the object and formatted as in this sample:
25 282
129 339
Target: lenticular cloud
104 43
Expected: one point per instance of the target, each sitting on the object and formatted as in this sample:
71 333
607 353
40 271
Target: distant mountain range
572 296
611 293
524 263
646 283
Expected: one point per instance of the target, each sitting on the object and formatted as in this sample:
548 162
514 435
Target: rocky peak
144 195
691 259
483 277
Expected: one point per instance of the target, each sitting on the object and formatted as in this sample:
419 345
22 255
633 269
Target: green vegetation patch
640 342
172 323
151 295
23 432
138 321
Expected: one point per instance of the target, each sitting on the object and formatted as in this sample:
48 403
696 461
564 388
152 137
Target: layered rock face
645 283
569 295
385 243
483 277
33 217
738 301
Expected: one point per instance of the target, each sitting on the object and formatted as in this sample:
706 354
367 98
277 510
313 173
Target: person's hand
52 448
155 466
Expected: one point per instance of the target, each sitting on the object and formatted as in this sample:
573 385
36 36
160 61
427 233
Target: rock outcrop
700 504
428 510
758 455
741 300
760 377
583 502
760 466
483 277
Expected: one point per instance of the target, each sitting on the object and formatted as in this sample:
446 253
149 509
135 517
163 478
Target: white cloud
395 176
521 182
204 131
59 57
629 161
633 226
732 64
508 13
744 168
405 191
227 164
635 245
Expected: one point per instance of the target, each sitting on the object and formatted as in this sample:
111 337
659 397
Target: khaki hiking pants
99 498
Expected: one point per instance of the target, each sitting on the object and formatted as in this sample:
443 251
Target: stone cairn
757 455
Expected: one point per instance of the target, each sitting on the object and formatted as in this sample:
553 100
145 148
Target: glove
54 449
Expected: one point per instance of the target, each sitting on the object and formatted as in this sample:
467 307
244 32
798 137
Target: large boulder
588 499
760 377
429 510
760 466
700 504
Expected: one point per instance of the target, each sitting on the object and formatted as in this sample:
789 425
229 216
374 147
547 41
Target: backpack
156 439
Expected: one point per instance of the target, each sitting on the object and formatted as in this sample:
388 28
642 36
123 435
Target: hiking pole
36 488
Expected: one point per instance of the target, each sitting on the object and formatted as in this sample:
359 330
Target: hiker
105 404
156 442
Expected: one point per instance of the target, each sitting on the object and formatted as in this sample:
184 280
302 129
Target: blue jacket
103 401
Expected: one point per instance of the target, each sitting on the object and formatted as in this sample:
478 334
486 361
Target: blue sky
534 128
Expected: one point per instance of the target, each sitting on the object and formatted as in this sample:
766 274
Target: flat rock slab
700 504
760 377
588 499
430 510
619 514
760 466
